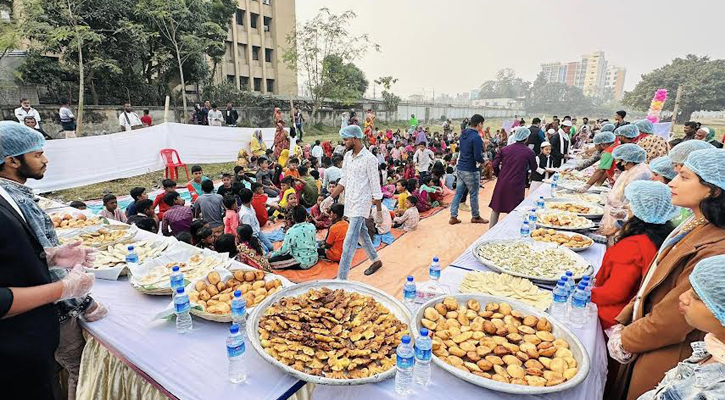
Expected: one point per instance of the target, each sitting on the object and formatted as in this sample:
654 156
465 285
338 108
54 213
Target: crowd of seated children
299 247
194 185
226 188
209 207
317 217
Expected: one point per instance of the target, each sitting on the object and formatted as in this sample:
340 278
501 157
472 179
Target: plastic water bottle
235 353
540 203
532 218
570 284
423 346
131 258
554 186
181 308
410 293
578 307
555 178
405 361
560 298
525 231
239 310
435 269
177 278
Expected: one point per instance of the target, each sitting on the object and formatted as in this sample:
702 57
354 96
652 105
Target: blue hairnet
607 128
351 131
604 137
663 166
521 134
629 131
651 201
630 152
709 165
17 139
706 280
645 126
679 153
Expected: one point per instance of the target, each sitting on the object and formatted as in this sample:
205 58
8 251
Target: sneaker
454 221
479 220
464 207
374 267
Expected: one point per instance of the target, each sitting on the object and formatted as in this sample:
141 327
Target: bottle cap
180 290
234 328
424 332
175 268
586 277
582 286
130 248
560 283
237 293
435 259
410 278
569 273
406 339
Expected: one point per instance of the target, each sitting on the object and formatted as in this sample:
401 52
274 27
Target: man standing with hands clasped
361 184
43 288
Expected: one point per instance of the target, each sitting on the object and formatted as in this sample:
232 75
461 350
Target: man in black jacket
537 136
230 115
560 143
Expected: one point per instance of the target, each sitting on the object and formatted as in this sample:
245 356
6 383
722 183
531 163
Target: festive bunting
658 101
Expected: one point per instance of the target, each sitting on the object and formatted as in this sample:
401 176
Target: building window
267 24
267 2
240 16
257 84
242 49
268 55
270 85
253 21
255 53
244 83
230 79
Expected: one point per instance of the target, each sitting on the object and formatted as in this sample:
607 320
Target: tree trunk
684 116
94 94
81 88
183 83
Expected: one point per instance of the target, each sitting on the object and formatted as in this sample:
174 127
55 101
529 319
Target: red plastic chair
172 167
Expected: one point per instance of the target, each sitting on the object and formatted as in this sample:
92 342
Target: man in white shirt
67 119
361 184
129 120
423 159
248 216
24 110
317 151
334 172
216 118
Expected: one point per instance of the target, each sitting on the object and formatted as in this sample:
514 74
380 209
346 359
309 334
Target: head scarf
283 157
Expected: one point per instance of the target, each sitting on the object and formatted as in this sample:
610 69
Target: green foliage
702 80
506 85
390 99
343 82
558 98
227 92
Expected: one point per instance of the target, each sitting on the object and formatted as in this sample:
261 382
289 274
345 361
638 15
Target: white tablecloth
191 366
446 386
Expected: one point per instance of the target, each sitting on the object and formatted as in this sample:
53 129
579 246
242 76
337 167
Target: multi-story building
591 74
255 42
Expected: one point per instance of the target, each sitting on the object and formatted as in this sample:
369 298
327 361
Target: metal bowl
396 307
558 329
537 245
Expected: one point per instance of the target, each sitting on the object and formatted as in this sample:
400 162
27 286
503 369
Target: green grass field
153 180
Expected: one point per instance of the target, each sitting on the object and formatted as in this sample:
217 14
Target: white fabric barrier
93 159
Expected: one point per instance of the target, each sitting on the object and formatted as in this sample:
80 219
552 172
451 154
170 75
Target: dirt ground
413 252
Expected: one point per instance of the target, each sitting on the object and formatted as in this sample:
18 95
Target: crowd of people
658 290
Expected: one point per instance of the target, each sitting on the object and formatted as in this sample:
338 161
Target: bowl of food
330 332
580 208
565 220
503 345
571 240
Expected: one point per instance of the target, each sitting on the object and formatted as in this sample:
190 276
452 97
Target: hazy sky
453 46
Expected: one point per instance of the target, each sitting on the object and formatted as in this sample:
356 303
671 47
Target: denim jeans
265 242
356 232
466 180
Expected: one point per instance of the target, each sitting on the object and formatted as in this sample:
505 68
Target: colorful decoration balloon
658 101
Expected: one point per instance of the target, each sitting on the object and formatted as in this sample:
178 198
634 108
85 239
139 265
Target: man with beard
560 143
361 184
29 319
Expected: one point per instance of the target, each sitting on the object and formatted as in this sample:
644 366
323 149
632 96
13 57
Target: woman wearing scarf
655 336
243 158
283 158
281 140
277 116
327 148
702 376
257 144
630 159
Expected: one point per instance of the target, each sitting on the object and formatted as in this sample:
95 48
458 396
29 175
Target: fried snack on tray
198 266
576 208
505 285
522 258
552 236
563 219
499 343
332 333
215 296
67 221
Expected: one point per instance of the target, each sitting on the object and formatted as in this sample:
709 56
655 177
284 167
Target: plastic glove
583 189
77 283
95 312
614 345
71 255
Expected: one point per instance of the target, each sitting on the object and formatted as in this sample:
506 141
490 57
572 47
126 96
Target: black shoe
374 267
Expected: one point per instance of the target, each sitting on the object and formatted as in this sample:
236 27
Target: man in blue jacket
468 173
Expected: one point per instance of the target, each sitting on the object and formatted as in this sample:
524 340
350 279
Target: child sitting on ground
78 205
194 185
259 203
403 193
290 204
331 248
206 239
433 193
410 218
196 226
292 166
231 217
137 194
226 243
110 209
169 186
265 178
317 217
449 179
226 188
145 218
299 248
422 202
250 251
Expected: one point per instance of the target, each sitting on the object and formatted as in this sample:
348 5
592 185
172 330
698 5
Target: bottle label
177 281
182 306
434 272
131 258
236 351
559 298
404 362
409 294
421 354
579 302
239 311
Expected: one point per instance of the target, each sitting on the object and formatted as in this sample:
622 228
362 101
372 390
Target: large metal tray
396 307
579 202
537 245
540 213
559 330
571 234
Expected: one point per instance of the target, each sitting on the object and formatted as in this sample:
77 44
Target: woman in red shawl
281 141
327 148
277 115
